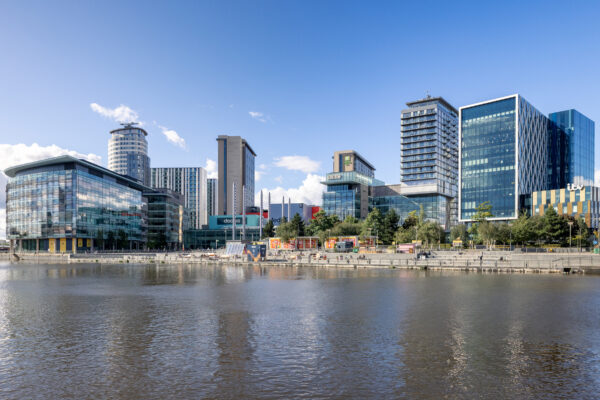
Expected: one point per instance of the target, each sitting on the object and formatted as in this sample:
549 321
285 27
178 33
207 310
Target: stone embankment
474 261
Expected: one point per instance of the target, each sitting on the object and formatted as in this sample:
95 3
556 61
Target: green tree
522 230
556 228
298 225
122 240
503 233
110 240
389 226
459 231
373 224
100 239
347 228
286 231
269 229
431 232
484 211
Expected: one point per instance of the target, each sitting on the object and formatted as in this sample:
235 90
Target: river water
157 332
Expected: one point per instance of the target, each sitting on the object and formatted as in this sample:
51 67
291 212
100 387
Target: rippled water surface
156 332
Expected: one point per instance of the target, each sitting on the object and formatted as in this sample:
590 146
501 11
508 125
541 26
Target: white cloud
298 163
597 177
211 169
16 154
258 174
258 116
173 137
310 192
121 114
279 179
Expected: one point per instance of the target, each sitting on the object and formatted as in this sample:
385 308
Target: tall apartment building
236 164
212 187
128 153
503 155
429 158
574 150
191 184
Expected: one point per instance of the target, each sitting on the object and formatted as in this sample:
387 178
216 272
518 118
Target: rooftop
428 99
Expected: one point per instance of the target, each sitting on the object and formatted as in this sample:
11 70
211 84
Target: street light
570 226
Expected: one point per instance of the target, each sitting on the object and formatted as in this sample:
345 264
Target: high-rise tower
236 164
128 153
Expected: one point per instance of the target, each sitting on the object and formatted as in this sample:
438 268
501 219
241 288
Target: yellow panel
51 245
570 208
572 196
542 209
63 245
560 208
562 195
543 197
80 242
535 198
552 196
89 243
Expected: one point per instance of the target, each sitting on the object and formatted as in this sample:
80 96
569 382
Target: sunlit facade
128 153
574 201
64 204
503 155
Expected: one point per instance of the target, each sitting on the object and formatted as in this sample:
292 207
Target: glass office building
65 204
578 147
128 153
347 194
167 219
576 201
189 182
211 197
503 155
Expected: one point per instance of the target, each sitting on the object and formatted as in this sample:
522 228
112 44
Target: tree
484 211
100 239
110 240
522 230
459 232
431 232
347 228
556 228
503 233
373 224
389 226
486 232
298 225
122 239
286 231
269 229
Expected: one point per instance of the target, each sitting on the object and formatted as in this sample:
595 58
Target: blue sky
322 76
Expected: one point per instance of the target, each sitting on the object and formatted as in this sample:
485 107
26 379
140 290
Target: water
156 332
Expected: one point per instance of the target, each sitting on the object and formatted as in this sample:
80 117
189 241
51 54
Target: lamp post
570 226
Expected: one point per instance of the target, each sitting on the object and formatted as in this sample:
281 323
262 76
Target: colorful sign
63 245
52 245
274 243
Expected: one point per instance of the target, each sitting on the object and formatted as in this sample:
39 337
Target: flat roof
428 99
129 127
357 155
225 137
14 170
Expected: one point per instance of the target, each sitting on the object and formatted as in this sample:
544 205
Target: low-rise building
167 219
574 201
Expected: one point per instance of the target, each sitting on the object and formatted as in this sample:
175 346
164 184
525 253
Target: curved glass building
128 153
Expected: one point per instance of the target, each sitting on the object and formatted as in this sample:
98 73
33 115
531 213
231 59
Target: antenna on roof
427 95
128 124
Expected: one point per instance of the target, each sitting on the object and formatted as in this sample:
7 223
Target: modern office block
189 182
503 154
429 146
65 204
436 207
302 209
236 165
577 149
574 201
128 153
347 191
212 189
167 219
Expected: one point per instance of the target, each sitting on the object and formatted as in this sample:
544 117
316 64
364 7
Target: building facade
429 146
284 209
212 189
436 207
347 192
65 204
575 201
167 219
128 153
189 182
236 165
503 155
577 149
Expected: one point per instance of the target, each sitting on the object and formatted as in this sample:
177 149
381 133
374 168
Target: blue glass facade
348 194
503 155
578 148
71 200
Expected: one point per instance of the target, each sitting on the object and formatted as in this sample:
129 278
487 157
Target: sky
297 79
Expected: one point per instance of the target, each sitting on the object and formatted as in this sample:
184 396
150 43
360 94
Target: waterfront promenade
467 260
